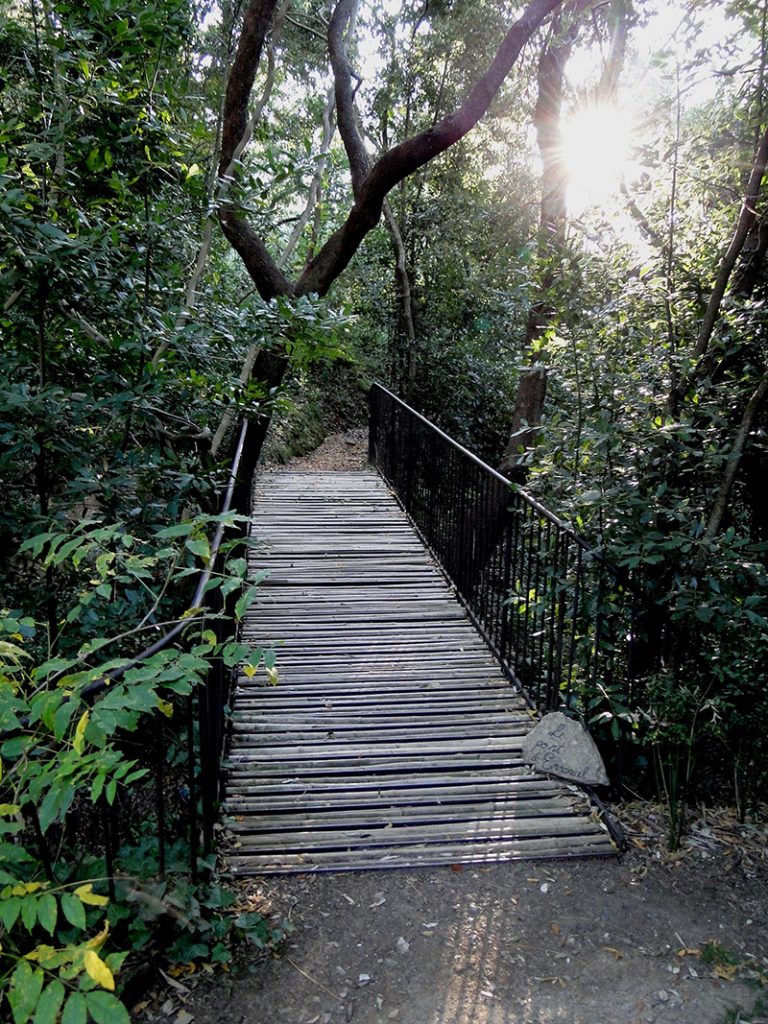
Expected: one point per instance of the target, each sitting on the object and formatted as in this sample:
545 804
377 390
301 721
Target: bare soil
645 937
345 451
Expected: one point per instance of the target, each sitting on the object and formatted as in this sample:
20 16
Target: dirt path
647 938
346 451
580 942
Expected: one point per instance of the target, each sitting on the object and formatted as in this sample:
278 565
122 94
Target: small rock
562 746
402 945
363 979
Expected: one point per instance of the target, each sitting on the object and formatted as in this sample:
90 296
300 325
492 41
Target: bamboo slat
392 738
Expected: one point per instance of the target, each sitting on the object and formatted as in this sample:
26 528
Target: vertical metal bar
598 628
194 838
562 606
505 609
554 598
511 614
374 398
575 611
160 797
109 852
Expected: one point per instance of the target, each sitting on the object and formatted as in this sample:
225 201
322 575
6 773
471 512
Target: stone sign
562 746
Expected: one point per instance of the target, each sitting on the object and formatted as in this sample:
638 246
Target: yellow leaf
98 970
86 894
98 940
7 809
40 953
79 740
165 707
25 888
272 676
250 670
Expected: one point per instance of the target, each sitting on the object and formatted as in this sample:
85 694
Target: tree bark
553 218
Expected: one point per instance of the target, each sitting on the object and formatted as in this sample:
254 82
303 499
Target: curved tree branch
388 171
731 468
340 29
258 18
409 156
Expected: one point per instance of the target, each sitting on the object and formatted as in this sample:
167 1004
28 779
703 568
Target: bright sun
596 144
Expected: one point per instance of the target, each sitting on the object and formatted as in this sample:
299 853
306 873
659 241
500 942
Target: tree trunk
553 218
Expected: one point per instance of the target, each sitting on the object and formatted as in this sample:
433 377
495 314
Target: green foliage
64 755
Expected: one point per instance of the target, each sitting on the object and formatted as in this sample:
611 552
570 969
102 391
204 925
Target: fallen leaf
173 983
615 953
554 928
726 972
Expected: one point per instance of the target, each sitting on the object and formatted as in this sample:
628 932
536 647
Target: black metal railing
199 782
177 803
564 623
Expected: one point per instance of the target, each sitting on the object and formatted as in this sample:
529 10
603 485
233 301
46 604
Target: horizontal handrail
525 496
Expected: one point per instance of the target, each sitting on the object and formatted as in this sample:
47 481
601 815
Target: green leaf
73 910
75 1009
199 546
179 530
242 603
47 912
49 1003
62 717
29 912
24 992
106 1008
97 786
9 911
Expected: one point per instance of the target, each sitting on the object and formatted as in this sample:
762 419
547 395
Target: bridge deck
392 738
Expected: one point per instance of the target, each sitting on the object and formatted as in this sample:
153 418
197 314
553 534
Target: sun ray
596 144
